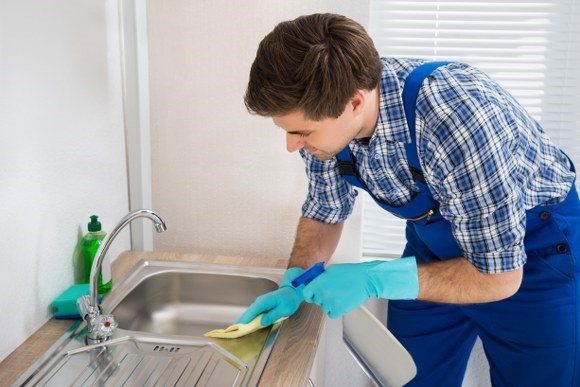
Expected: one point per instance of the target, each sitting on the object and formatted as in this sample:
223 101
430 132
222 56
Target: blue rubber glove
282 302
344 287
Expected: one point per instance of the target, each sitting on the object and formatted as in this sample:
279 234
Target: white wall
62 149
220 177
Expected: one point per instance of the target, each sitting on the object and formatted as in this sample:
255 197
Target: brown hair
315 64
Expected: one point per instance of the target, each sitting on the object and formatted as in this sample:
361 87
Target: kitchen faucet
101 326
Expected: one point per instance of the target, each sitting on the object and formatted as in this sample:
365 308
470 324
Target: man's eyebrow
300 132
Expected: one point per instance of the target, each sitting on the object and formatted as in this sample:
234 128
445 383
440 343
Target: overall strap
411 89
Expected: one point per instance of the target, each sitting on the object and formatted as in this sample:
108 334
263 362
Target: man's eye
303 134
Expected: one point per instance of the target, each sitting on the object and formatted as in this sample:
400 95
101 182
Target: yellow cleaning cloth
246 348
239 330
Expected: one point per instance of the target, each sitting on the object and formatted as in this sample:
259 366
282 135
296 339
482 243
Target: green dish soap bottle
89 246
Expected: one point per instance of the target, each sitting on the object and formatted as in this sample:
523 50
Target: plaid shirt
484 158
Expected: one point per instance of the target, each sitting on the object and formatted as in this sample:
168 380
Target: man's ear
357 102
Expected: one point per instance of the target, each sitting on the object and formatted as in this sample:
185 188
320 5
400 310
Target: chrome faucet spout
100 327
98 263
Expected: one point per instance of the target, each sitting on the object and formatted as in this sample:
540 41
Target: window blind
532 48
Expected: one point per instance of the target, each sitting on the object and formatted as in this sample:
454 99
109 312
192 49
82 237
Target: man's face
323 139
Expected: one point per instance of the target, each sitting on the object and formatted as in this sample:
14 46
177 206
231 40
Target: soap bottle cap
94 225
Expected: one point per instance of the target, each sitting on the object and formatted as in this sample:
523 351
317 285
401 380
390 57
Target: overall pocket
552 250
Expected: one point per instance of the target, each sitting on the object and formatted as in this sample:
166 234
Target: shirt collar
391 123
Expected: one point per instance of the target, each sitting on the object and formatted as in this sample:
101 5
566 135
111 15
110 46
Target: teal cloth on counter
65 305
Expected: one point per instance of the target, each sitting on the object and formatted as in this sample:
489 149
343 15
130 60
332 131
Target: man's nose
294 142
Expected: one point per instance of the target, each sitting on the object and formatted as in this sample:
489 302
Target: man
490 201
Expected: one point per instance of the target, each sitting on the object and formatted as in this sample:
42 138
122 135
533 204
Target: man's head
316 77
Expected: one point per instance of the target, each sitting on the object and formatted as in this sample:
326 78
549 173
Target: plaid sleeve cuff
499 261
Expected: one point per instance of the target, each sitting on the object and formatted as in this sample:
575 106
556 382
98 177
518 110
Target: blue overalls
530 339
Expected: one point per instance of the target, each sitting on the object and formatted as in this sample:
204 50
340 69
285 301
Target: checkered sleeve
330 198
468 148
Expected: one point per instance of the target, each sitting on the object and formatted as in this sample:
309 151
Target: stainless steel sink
187 303
163 308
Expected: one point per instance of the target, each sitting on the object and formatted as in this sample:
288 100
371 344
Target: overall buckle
346 168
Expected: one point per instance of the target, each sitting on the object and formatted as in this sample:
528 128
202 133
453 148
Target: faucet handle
86 309
105 325
99 326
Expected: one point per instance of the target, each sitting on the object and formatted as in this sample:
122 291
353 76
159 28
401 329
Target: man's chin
324 157
320 155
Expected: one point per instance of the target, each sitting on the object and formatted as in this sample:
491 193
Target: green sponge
65 305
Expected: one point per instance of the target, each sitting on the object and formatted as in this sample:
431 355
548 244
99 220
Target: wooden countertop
291 358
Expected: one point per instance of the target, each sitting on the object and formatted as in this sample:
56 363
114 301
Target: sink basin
188 303
163 308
